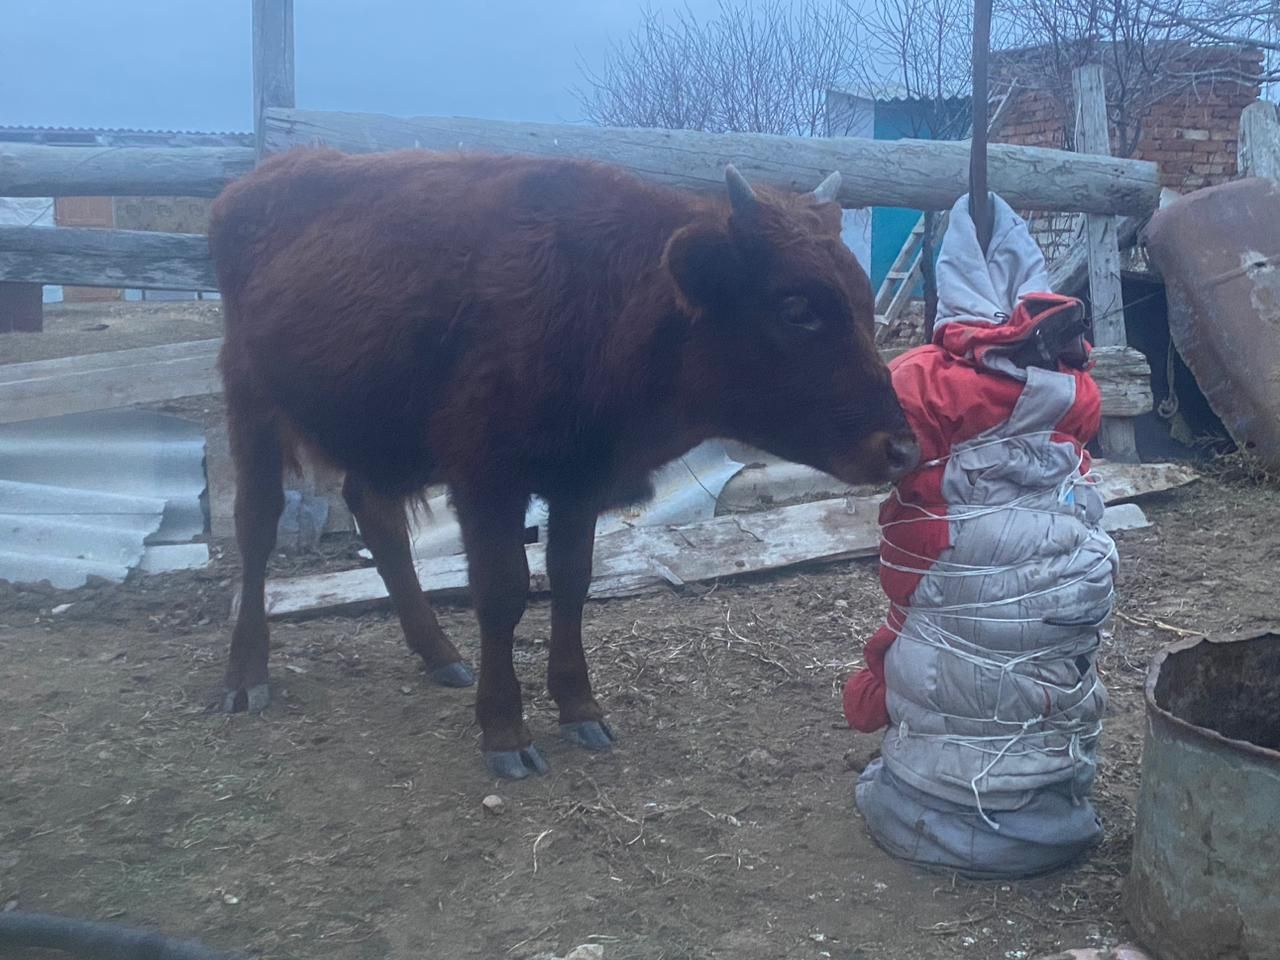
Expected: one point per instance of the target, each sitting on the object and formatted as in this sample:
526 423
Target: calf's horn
828 189
741 197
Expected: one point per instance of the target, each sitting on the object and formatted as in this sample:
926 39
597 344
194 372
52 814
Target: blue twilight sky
184 64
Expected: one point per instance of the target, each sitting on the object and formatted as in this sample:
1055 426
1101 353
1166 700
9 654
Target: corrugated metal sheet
122 136
94 493
685 491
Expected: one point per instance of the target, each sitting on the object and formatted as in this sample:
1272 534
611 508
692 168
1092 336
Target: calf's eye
796 312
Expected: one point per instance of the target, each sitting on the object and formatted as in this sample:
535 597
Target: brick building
1186 118
1190 130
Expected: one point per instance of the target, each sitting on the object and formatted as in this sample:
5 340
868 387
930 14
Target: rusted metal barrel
1205 883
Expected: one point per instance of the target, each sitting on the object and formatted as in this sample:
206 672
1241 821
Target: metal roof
120 136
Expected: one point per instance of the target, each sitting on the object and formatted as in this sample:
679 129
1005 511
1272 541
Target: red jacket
949 396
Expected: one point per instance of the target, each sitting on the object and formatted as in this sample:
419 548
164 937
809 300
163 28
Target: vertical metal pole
979 198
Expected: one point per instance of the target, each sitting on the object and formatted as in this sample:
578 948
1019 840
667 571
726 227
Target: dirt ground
347 821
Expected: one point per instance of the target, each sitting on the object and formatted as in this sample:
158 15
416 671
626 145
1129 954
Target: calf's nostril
903 455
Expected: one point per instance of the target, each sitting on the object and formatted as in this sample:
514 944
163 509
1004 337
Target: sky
185 64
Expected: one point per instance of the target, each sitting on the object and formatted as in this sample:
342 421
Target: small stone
230 899
60 608
494 804
406 690
588 951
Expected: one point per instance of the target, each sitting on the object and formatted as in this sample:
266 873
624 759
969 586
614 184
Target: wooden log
102 381
39 170
273 84
1123 376
919 174
649 559
1258 147
86 257
1093 137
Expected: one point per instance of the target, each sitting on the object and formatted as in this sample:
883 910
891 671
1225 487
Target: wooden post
21 307
1092 136
272 61
1258 151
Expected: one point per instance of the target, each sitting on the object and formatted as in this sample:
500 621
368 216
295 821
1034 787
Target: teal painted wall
890 226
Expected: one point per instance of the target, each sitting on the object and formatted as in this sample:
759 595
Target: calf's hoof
455 675
516 764
589 734
252 699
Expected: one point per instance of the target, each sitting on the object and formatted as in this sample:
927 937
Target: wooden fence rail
40 170
919 174
136 259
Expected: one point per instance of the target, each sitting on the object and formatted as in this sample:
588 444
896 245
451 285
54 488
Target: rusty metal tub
1205 882
1219 252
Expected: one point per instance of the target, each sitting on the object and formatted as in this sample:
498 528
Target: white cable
921 624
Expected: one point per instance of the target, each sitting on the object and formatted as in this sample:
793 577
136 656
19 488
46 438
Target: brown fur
514 326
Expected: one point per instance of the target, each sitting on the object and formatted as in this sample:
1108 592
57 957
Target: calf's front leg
493 534
570 545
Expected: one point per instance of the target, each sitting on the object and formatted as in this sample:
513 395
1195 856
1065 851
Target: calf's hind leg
259 464
385 530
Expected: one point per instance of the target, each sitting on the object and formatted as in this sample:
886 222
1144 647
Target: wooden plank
920 174
273 81
40 170
1258 147
50 388
87 257
649 559
1123 376
635 561
1092 137
1121 482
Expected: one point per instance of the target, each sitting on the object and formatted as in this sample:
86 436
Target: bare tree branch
762 67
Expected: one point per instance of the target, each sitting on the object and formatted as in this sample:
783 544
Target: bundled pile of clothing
999 575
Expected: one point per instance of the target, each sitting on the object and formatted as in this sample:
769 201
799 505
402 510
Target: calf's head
783 334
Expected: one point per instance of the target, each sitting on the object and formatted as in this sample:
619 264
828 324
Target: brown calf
512 327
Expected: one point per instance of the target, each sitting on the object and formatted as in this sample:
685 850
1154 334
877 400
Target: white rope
1036 666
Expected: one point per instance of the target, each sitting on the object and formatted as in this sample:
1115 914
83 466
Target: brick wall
1191 133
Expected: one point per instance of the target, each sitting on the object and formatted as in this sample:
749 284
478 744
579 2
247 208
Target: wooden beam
102 381
1123 376
1258 148
39 170
1093 137
649 559
919 174
86 257
272 60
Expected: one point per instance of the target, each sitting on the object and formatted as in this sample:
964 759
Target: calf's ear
706 266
